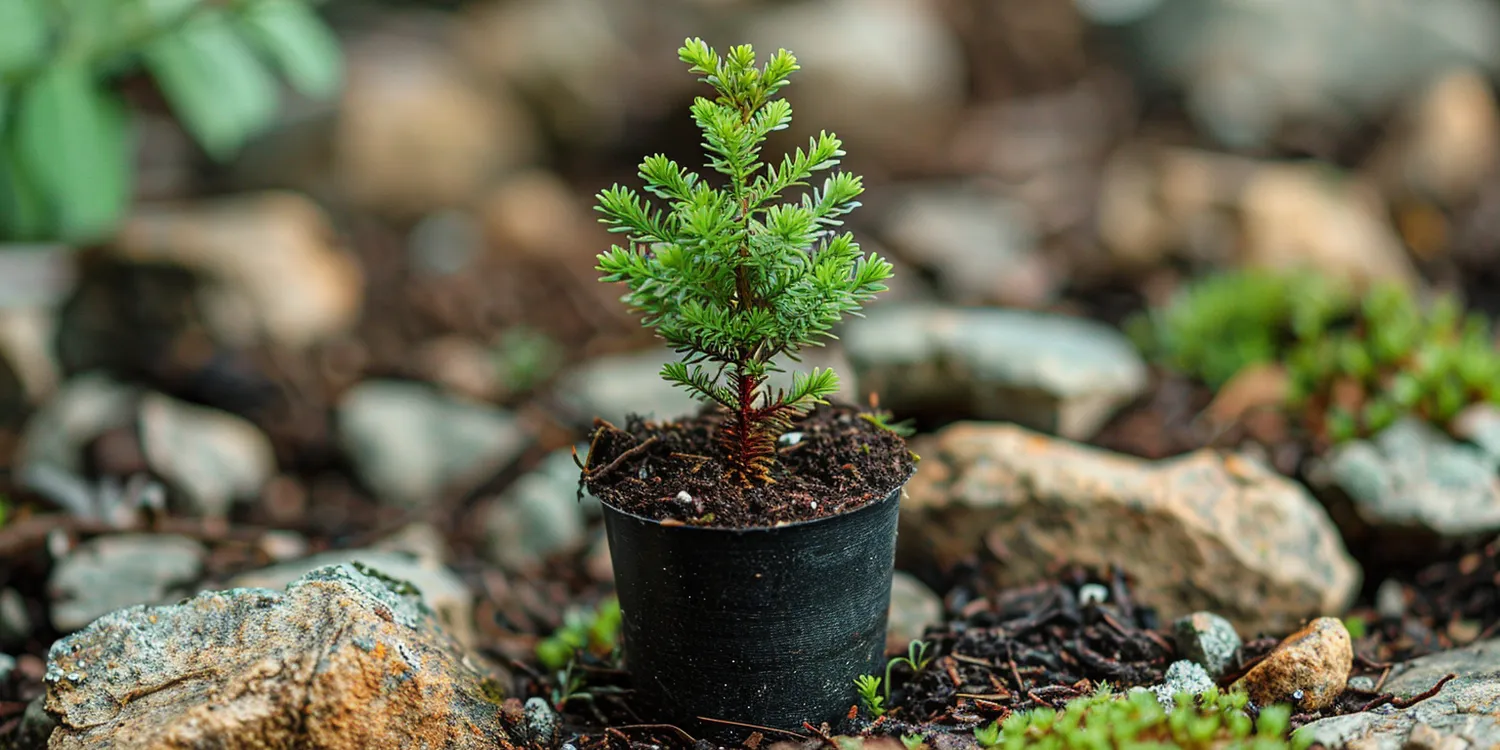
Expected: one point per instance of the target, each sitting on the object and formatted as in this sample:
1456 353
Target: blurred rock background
378 327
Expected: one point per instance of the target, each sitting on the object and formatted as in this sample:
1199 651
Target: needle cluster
732 275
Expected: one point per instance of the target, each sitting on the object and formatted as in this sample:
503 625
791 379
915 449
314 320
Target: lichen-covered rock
344 658
1207 639
1308 670
1203 531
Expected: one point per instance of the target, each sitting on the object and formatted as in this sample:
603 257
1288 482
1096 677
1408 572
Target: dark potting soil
833 460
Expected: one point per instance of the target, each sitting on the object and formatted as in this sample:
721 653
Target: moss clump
1137 720
1218 325
1397 358
1356 363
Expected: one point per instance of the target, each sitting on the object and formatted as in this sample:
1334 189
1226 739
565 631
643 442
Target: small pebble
1309 669
1207 639
543 729
1182 677
1092 593
7 665
1390 599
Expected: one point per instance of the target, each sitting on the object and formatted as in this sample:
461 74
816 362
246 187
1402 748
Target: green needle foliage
730 277
66 139
1138 720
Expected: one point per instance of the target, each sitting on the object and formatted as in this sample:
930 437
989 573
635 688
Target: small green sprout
912 741
869 694
597 632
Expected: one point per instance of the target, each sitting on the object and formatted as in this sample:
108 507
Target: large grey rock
409 441
1467 708
1052 373
1250 68
1411 485
981 246
540 514
341 659
1202 531
438 588
121 570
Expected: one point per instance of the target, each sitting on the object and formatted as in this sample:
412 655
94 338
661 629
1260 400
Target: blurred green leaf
293 35
215 83
23 33
160 12
71 139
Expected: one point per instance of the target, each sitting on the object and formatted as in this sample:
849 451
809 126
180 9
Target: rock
583 65
1390 599
121 570
341 659
1411 486
1209 640
1156 201
543 726
422 541
212 457
1480 424
540 514
1309 669
900 106
444 243
15 621
416 134
613 387
1299 217
1057 374
437 587
536 214
84 407
1249 72
7 665
981 246
271 258
1465 707
1446 143
409 442
1181 677
35 728
461 366
913 608
1201 531
26 348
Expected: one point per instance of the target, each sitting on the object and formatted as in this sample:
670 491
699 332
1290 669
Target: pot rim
893 495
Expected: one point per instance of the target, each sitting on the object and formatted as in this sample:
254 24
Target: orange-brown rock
1308 670
1202 531
344 658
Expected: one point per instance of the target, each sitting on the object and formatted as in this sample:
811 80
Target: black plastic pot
765 626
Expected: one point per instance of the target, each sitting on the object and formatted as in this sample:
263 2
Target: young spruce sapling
733 277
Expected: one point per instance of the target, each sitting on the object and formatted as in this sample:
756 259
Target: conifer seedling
730 269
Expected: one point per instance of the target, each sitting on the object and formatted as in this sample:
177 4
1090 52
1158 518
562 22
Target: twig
679 731
1381 682
622 458
756 727
1424 695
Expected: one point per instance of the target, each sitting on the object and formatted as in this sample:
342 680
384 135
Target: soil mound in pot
833 460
